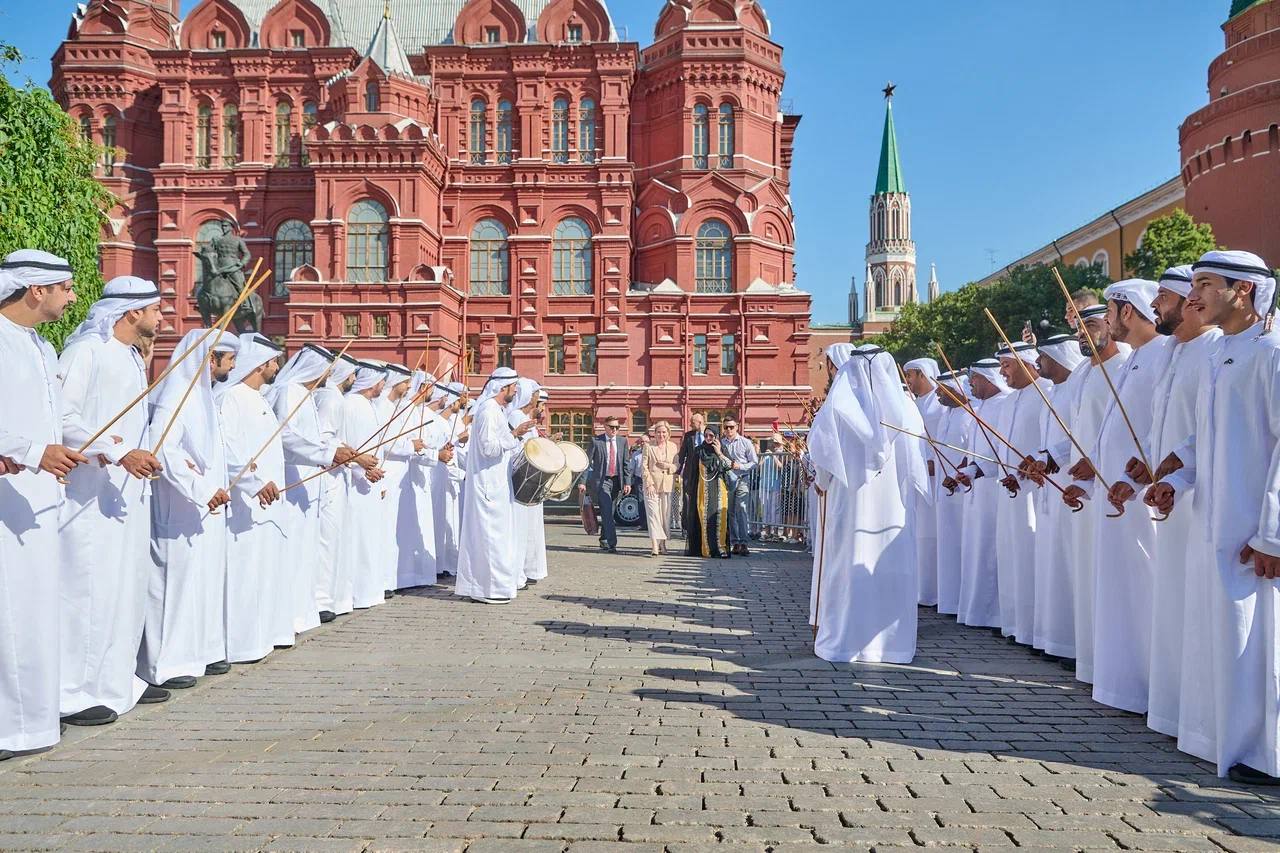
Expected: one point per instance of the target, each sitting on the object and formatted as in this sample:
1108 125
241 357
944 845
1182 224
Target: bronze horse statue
222 264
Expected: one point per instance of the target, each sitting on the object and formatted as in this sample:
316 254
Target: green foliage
1170 240
955 320
49 198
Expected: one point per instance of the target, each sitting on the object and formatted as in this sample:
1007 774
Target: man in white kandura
979 589
954 426
260 606
867 589
332 576
415 530
35 288
394 411
1233 462
363 548
185 616
531 545
447 479
487 567
106 519
922 378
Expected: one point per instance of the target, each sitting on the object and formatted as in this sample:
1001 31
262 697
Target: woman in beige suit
659 472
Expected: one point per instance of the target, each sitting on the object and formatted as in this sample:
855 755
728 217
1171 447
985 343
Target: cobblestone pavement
669 703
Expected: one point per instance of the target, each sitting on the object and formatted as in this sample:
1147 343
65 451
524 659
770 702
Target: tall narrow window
575 33
86 128
560 130
372 102
471 356
479 130
381 325
490 259
351 325
571 259
310 118
506 343
726 136
284 132
108 144
587 130
505 144
728 356
587 354
231 135
294 246
576 427
218 40
368 239
700 355
492 35
713 261
701 136
297 38
555 353
639 421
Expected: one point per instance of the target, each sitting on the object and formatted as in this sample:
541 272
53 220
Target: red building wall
1231 147
310 144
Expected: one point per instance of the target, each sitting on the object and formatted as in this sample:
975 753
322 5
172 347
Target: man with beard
106 521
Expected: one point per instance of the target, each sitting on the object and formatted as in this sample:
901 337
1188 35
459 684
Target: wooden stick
319 382
340 464
173 362
968 407
937 443
942 461
222 327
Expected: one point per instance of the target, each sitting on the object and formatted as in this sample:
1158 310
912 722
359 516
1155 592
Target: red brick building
493 181
1231 147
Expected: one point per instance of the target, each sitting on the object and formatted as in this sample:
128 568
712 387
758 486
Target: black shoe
1069 664
62 728
327 616
180 682
531 582
612 549
98 715
387 594
1246 775
5 755
154 695
219 668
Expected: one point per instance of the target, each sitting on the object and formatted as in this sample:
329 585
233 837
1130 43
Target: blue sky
1017 121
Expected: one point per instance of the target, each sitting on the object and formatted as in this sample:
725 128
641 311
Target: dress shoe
532 581
154 695
492 600
219 668
388 594
98 715
327 616
613 549
5 755
1246 775
180 682
524 585
744 551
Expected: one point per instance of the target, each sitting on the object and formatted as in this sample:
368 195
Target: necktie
613 459
697 439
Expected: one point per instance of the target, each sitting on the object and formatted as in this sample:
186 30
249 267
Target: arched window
713 264
368 239
1102 261
882 295
1082 263
372 101
490 259
284 132
505 143
726 136
204 236
571 259
86 128
701 138
479 131
231 135
204 136
294 247
310 118
897 293
108 144
560 130
587 130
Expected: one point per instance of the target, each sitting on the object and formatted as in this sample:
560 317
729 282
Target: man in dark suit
686 467
607 474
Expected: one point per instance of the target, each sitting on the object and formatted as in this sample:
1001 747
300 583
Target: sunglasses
613 426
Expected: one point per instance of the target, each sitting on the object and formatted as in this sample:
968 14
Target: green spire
1238 6
889 178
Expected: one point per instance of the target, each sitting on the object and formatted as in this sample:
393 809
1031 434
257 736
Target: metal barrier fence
779 503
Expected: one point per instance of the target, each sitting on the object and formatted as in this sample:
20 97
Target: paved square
671 703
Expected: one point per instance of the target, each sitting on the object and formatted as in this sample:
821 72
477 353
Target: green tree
1028 294
1170 240
49 198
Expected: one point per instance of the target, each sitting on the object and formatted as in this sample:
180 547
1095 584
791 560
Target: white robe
1124 547
979 590
106 523
1180 542
532 525
332 578
260 605
30 547
487 566
414 533
309 445
363 547
1019 422
186 592
924 518
953 428
1234 462
446 496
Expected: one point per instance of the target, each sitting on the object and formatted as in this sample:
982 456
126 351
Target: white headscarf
121 295
1243 266
1021 350
253 352
31 268
342 370
396 373
526 389
838 354
306 365
879 389
1064 349
499 379
367 376
199 415
1138 292
989 369
927 366
1177 280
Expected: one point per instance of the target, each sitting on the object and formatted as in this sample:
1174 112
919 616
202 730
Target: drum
534 469
561 484
575 457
